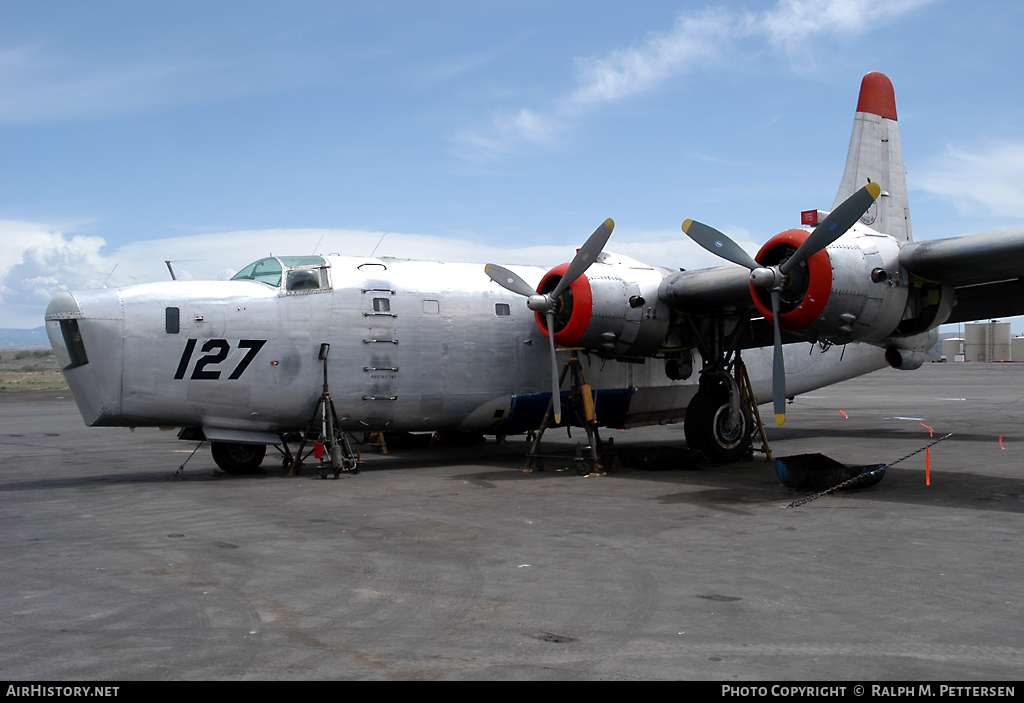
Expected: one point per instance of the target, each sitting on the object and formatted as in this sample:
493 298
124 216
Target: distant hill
24 339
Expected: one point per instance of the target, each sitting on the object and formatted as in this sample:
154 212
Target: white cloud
792 22
37 262
990 178
696 39
623 73
507 131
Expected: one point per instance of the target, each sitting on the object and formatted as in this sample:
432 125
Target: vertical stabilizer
875 155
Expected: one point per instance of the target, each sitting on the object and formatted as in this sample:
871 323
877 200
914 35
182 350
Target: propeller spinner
774 278
550 303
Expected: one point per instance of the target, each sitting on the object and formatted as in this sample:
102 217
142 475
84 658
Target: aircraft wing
987 271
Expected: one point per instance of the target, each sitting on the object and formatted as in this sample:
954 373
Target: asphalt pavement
452 563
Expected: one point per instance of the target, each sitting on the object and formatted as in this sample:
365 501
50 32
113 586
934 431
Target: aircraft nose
86 331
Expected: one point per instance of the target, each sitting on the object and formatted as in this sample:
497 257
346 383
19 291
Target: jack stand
581 403
329 436
747 395
376 439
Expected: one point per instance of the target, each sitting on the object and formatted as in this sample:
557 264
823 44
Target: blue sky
214 133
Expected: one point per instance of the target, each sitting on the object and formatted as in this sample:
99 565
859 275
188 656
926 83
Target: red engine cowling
852 291
805 298
576 307
613 310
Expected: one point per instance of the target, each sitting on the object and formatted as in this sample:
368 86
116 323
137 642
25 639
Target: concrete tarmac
451 563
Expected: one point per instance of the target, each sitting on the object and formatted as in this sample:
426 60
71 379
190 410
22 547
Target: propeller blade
508 280
585 257
718 243
556 394
835 225
779 367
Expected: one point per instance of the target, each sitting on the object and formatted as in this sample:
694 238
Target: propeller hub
540 303
766 277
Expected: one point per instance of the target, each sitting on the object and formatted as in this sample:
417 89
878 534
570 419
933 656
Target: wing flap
988 301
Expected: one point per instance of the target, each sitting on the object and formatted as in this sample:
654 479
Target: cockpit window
265 271
301 274
303 279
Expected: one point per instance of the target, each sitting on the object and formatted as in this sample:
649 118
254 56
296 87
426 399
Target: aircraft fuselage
414 346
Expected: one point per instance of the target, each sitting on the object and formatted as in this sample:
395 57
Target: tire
238 458
707 431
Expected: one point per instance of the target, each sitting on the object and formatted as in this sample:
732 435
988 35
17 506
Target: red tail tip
877 96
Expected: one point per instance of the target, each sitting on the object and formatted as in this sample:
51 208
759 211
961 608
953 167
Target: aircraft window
381 305
431 307
172 320
502 309
303 279
265 271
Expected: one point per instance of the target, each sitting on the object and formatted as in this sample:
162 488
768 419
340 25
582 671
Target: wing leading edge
987 271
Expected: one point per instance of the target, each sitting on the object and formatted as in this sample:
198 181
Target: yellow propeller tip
609 223
487 268
875 190
686 225
780 419
558 419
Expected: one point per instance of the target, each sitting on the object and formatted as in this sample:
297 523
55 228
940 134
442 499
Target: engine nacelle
612 310
851 291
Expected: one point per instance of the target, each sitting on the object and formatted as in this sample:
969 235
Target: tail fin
875 155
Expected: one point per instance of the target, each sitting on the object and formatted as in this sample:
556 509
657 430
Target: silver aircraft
416 346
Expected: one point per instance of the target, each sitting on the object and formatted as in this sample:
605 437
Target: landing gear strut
721 418
581 404
718 421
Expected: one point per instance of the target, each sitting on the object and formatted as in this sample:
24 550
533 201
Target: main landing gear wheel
238 458
708 429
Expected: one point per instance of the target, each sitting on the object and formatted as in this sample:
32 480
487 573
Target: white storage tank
1017 349
999 349
987 341
975 341
953 349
